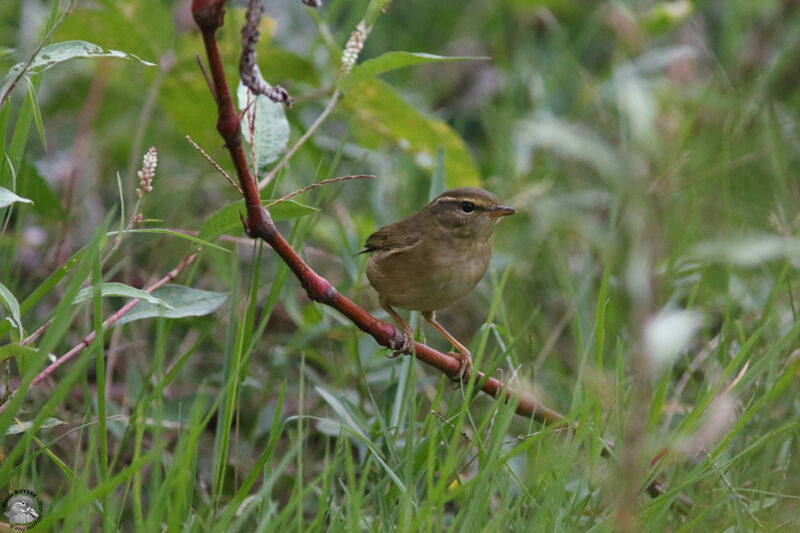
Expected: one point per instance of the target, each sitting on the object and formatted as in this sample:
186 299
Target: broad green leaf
58 52
11 303
285 65
16 350
380 110
227 220
174 233
59 324
271 129
48 422
120 289
185 301
289 209
393 61
104 19
7 198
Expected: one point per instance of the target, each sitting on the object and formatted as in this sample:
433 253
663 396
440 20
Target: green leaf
11 303
58 52
437 178
37 115
344 412
120 289
48 422
271 129
7 198
226 220
16 350
285 65
184 301
380 110
393 61
32 185
13 157
103 19
46 286
173 233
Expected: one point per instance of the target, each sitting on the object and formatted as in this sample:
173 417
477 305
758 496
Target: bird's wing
394 238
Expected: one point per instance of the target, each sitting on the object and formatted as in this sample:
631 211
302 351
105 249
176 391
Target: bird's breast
428 276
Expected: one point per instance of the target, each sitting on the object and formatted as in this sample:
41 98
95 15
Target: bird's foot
408 343
466 365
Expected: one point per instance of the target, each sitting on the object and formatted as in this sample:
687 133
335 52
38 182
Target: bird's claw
466 365
408 343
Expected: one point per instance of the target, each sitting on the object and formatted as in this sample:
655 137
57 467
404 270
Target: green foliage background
652 152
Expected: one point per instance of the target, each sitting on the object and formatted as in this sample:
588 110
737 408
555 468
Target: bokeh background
645 289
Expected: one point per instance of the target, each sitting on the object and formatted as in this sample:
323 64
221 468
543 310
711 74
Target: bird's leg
464 355
408 332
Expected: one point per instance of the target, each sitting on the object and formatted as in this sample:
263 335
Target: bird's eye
467 207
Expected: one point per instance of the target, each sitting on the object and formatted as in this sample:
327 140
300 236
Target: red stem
208 14
87 340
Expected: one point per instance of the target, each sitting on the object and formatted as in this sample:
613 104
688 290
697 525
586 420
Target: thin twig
446 422
112 319
214 163
250 113
259 225
108 322
36 334
736 496
205 75
320 184
320 119
38 49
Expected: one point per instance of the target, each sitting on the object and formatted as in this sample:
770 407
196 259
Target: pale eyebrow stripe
478 202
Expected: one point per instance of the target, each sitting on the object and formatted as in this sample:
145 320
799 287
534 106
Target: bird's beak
501 211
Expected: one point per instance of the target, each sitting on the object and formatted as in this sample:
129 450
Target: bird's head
467 212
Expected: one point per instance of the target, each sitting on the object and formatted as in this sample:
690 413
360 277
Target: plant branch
310 131
320 184
112 319
38 49
213 163
208 14
87 340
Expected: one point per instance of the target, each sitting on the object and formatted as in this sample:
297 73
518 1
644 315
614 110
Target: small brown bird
434 257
